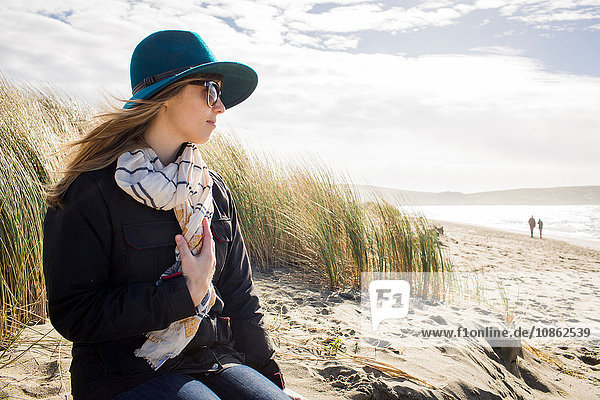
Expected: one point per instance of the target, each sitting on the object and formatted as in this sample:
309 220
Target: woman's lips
213 123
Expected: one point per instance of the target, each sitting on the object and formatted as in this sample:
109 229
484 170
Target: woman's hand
293 395
198 270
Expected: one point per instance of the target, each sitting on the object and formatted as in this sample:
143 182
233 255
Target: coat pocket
150 249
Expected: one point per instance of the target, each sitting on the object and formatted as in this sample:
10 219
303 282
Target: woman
145 265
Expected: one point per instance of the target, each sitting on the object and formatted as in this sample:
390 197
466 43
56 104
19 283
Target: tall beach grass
32 123
295 214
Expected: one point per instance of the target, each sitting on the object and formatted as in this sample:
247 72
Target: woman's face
188 116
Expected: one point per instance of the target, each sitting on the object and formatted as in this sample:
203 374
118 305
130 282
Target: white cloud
489 110
500 50
339 42
538 12
572 15
362 17
488 4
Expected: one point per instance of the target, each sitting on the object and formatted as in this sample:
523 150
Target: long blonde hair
119 130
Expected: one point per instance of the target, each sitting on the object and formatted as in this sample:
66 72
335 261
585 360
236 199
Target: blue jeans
239 382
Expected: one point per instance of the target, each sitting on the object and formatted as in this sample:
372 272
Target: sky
425 95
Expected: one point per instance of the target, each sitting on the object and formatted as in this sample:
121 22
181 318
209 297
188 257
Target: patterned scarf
185 186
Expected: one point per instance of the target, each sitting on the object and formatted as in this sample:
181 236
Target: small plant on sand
332 346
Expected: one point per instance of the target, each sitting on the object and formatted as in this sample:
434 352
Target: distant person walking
532 224
540 225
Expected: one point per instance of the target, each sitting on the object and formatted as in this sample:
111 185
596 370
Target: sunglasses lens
213 93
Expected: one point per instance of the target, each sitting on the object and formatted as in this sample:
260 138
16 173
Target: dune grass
295 215
31 124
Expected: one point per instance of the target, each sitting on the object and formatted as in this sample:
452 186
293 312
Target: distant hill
566 195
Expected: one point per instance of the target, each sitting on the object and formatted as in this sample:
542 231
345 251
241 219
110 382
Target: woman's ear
164 106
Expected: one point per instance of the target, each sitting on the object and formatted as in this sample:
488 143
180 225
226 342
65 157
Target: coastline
591 244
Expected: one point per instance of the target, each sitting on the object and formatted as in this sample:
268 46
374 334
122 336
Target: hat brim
239 81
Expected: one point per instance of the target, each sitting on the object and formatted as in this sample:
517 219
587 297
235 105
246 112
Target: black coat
103 253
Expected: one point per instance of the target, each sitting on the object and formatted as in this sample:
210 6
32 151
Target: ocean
577 222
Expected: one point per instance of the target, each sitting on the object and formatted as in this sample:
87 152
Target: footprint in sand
380 343
481 311
438 319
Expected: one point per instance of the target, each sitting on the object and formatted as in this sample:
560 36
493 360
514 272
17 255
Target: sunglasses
213 91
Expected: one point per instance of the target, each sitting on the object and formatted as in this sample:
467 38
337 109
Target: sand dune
556 282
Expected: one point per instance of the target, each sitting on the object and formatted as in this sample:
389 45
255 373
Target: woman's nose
219 108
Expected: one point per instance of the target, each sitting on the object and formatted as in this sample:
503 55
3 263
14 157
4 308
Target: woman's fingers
206 228
198 269
182 246
207 241
208 244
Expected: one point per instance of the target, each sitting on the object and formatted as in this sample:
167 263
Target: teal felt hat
168 56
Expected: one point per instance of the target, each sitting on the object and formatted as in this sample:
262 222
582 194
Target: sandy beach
326 350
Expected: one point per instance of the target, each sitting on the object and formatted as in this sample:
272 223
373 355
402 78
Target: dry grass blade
389 369
551 359
20 346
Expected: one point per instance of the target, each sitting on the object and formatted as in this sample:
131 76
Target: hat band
151 80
